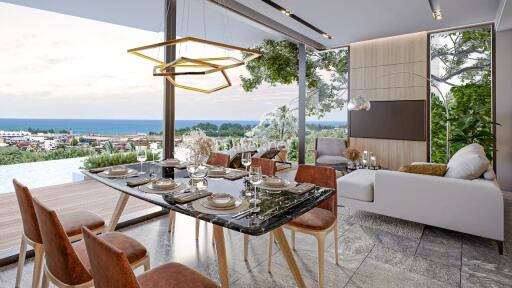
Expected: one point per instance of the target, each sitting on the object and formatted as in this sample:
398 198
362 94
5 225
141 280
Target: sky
72 67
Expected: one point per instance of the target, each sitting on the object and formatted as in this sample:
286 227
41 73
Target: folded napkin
302 188
98 170
235 174
135 183
187 197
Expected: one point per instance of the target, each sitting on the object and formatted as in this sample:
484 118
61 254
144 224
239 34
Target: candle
373 161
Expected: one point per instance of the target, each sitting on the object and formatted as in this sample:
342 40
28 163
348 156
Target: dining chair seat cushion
314 219
133 250
174 275
74 221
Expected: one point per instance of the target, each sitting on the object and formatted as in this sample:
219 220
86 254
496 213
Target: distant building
10 134
50 145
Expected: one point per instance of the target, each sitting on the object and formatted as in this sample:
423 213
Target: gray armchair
329 152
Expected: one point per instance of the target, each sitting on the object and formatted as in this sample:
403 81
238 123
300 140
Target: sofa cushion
489 174
427 169
468 163
357 185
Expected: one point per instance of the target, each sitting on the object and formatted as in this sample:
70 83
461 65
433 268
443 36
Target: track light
437 15
435 7
286 12
327 36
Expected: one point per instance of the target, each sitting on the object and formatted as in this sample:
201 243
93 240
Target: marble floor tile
444 273
374 274
391 257
440 246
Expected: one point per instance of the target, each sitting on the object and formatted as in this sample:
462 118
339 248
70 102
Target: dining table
275 209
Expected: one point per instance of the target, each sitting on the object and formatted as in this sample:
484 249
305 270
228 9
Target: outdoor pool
40 174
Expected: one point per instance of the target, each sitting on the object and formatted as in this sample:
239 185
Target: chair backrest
268 166
330 146
61 259
28 214
109 265
321 176
218 159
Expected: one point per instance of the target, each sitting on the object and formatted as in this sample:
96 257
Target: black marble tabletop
276 209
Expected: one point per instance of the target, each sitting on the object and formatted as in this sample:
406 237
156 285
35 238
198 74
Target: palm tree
278 125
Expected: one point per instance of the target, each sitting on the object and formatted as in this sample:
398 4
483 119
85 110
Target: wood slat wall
390 69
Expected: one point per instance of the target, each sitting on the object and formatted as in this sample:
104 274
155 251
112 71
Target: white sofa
470 206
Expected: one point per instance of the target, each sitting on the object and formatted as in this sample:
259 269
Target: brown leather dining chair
218 159
72 223
318 221
68 265
268 168
110 268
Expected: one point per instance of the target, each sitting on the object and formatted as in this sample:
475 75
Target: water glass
141 157
255 177
246 160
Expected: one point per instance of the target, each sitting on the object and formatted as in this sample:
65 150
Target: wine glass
255 178
246 160
141 157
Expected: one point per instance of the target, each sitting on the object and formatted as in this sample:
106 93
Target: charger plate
201 206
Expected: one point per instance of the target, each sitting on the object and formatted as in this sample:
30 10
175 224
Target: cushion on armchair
331 160
330 146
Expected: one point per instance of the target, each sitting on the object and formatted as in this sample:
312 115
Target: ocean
119 127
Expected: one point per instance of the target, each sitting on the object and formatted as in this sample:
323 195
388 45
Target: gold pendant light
207 64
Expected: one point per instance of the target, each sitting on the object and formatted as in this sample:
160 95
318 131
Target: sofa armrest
456 204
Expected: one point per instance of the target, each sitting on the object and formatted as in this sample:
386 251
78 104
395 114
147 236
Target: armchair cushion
331 160
330 146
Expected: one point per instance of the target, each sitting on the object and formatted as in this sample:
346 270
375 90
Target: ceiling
347 21
351 21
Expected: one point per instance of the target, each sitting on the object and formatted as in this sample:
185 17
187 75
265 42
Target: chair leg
336 244
172 219
197 229
147 263
21 261
270 240
246 247
321 253
38 265
293 240
46 281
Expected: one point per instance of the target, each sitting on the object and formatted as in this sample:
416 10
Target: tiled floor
369 258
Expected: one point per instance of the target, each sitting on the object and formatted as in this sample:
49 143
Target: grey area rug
389 224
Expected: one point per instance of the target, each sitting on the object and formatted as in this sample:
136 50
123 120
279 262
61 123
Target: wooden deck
86 195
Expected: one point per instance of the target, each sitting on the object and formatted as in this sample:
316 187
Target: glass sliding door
461 105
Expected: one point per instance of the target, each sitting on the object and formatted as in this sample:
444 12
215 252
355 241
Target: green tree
279 64
74 142
464 65
278 125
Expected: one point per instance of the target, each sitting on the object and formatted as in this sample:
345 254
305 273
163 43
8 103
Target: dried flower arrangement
199 145
352 154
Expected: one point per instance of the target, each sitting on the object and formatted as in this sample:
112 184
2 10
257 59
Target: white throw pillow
489 174
467 165
471 148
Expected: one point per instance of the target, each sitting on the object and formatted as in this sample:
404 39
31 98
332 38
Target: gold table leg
121 203
222 262
287 253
